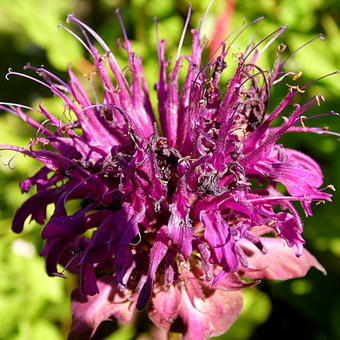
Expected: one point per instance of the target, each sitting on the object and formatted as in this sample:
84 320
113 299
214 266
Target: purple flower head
178 203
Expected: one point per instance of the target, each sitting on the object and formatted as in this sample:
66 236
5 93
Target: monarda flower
179 203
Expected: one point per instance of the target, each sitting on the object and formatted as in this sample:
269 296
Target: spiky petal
178 217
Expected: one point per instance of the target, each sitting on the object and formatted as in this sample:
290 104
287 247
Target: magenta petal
197 318
280 263
307 163
179 225
217 234
89 311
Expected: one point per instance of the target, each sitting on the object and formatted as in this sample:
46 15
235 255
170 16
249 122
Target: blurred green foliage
35 22
33 306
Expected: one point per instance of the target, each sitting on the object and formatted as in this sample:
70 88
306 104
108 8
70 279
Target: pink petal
280 262
89 311
165 306
198 317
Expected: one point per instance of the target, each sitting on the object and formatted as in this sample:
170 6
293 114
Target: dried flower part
179 216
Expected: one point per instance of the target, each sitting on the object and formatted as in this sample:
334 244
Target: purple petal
35 206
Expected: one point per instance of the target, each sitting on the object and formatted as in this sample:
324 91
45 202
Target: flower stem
174 336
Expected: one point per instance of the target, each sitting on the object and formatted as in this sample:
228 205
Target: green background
34 306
